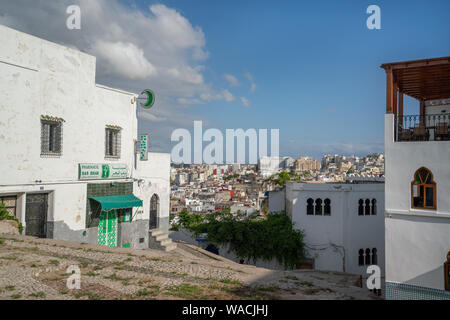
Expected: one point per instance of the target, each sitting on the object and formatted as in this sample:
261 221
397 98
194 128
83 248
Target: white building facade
69 168
268 166
417 150
343 224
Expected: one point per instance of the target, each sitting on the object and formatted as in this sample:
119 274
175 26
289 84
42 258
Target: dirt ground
32 268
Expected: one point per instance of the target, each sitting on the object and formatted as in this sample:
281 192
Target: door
154 208
107 229
36 215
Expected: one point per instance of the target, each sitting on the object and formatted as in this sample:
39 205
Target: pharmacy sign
146 99
143 146
102 171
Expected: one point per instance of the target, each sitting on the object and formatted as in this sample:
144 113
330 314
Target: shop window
51 137
423 190
124 215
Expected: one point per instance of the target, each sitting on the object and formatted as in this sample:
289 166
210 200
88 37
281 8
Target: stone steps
160 240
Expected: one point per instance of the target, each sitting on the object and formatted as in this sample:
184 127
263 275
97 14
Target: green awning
118 202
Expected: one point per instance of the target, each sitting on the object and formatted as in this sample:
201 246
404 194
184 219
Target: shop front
114 210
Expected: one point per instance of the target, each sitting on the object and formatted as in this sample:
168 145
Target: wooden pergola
427 79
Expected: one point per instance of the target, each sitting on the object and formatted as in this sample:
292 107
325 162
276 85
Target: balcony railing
432 127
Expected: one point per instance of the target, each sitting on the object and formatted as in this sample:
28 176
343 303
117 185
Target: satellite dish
146 99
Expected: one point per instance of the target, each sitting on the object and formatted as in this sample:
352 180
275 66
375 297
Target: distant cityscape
243 188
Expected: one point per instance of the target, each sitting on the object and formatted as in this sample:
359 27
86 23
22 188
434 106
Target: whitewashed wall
343 229
417 241
277 200
155 173
39 77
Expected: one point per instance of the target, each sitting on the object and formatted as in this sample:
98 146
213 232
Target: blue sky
315 65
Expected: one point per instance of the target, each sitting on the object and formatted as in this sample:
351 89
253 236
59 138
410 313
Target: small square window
51 137
10 203
112 143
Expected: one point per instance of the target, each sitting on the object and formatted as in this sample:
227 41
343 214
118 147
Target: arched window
367 208
367 257
361 257
310 207
327 207
374 207
374 256
318 207
423 190
360 207
154 209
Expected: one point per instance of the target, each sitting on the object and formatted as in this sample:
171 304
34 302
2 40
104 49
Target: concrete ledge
416 213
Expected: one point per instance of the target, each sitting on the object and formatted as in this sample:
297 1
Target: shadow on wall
433 279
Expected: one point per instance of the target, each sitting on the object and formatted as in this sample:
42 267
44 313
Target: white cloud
149 116
252 82
186 101
227 96
245 102
156 48
186 74
232 80
123 59
223 95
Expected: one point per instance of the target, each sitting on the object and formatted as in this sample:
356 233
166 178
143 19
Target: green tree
250 238
282 178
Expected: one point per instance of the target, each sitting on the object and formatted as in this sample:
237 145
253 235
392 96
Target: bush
273 237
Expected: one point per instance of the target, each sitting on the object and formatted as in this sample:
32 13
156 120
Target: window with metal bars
51 137
112 143
10 203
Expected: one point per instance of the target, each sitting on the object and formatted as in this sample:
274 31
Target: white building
268 166
181 179
417 150
286 163
343 223
69 169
